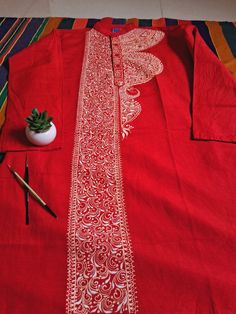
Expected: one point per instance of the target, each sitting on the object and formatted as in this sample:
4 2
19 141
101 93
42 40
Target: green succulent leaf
29 119
39 121
44 115
35 112
33 128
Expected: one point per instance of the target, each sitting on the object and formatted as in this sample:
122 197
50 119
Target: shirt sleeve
35 81
213 94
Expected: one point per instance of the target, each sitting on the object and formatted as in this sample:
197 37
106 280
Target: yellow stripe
2 113
9 49
3 89
231 66
2 21
222 48
51 25
9 31
133 20
219 41
12 35
44 27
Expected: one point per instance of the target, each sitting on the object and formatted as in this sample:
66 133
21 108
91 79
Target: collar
106 27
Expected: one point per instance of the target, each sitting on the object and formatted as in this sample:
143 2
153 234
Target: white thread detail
138 67
100 263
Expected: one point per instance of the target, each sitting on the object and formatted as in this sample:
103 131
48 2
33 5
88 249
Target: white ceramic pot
43 138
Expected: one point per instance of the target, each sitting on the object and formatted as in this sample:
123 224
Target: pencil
38 198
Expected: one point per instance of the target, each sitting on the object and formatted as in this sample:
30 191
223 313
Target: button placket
117 62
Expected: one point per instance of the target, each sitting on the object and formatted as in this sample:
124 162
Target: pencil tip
50 211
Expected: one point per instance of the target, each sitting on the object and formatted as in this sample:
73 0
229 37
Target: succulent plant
39 122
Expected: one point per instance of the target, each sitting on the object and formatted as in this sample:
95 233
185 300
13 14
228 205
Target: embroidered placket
117 62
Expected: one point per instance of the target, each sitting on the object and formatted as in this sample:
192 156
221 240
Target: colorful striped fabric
18 33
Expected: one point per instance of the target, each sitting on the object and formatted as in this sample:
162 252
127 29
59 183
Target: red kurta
141 175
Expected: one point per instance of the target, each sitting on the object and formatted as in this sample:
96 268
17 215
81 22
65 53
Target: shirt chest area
131 65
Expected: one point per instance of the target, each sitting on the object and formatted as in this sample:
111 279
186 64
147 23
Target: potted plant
40 129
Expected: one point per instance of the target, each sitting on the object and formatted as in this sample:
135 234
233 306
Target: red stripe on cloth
133 20
80 23
159 22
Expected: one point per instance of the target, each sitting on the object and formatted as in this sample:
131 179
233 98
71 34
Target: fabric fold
214 94
35 81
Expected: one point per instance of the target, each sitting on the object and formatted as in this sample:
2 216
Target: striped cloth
18 33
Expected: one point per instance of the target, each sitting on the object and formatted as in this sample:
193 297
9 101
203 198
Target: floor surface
218 10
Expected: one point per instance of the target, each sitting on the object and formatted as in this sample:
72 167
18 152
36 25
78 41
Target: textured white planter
43 138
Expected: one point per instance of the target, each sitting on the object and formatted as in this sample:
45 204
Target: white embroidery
100 265
138 67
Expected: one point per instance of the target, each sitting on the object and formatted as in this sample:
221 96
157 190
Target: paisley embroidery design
100 263
138 68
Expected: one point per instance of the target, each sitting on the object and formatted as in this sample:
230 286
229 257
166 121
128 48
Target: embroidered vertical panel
100 265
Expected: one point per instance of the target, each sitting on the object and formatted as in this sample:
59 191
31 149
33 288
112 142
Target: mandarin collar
106 27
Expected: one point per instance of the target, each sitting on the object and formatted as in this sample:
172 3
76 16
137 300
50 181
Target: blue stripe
27 35
11 39
229 32
145 22
203 30
6 25
91 22
3 74
66 23
22 42
15 30
171 22
119 21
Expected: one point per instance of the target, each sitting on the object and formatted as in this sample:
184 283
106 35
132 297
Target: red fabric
214 94
35 80
179 181
34 258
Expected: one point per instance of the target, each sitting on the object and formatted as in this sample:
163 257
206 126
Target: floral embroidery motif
100 265
138 67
